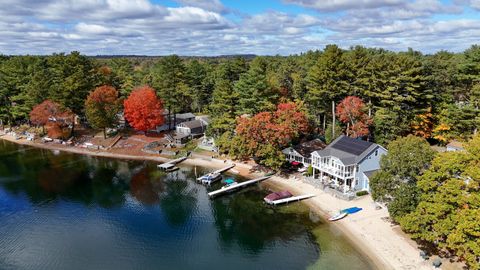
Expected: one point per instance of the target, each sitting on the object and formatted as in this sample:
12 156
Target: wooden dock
293 199
169 165
224 169
222 191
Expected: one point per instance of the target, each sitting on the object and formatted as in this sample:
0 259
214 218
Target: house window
356 182
376 152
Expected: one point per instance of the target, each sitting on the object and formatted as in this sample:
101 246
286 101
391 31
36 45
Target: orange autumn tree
266 133
43 112
143 110
352 111
102 107
422 124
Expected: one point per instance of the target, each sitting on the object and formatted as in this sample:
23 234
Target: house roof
185 115
370 173
305 149
204 118
348 150
193 124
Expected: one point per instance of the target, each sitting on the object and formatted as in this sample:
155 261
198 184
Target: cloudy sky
216 27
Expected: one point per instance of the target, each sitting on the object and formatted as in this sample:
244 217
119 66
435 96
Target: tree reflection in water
179 200
253 225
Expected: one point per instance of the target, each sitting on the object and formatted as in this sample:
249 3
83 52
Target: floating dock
222 191
169 166
219 171
293 199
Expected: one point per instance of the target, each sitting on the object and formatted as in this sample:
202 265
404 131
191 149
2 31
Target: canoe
351 210
338 216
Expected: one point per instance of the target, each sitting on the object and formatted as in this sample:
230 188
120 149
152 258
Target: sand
386 246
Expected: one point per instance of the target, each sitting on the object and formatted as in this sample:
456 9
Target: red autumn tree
351 111
101 108
277 128
43 112
143 110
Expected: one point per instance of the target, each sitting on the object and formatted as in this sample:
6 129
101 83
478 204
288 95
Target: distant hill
229 56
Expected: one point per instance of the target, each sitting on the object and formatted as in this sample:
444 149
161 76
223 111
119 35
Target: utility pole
333 123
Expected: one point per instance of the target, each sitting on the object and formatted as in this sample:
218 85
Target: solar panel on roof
352 146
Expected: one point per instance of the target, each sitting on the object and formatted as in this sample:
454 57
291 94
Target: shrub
362 193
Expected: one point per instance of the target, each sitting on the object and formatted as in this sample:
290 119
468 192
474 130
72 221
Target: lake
67 211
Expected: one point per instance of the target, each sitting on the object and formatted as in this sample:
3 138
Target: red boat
277 196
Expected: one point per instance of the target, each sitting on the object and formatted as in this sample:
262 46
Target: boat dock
237 186
171 164
219 171
293 199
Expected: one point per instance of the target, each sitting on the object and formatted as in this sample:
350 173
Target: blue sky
217 27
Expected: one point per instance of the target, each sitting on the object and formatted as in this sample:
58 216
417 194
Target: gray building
193 128
347 163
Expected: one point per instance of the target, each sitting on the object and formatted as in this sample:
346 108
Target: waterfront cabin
193 128
174 120
347 163
302 153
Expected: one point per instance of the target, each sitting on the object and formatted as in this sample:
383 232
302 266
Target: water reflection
252 225
138 217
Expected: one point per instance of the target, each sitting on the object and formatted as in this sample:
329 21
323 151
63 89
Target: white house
347 163
302 152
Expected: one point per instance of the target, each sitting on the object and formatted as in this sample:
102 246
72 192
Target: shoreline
373 237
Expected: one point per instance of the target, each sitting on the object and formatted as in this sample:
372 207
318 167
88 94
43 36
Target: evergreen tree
253 91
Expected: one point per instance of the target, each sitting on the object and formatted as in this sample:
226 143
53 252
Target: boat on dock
277 196
292 199
212 177
209 178
234 187
229 182
170 166
338 216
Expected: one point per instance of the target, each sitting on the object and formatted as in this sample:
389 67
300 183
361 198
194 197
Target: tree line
434 96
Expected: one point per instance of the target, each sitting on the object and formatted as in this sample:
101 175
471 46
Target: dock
224 169
222 191
171 164
293 199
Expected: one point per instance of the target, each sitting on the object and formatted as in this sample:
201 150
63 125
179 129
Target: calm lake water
67 211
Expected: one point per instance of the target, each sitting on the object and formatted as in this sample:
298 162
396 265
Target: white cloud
336 5
210 5
200 27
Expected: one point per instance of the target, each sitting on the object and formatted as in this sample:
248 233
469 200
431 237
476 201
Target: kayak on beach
338 216
351 210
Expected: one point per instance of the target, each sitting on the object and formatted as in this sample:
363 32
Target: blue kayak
351 210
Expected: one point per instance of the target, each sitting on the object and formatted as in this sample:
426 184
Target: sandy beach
385 245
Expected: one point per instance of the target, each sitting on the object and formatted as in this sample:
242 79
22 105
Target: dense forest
434 96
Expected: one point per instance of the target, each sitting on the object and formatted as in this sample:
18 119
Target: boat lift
219 171
237 186
293 199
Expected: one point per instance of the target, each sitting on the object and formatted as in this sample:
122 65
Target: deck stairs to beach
169 138
116 139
